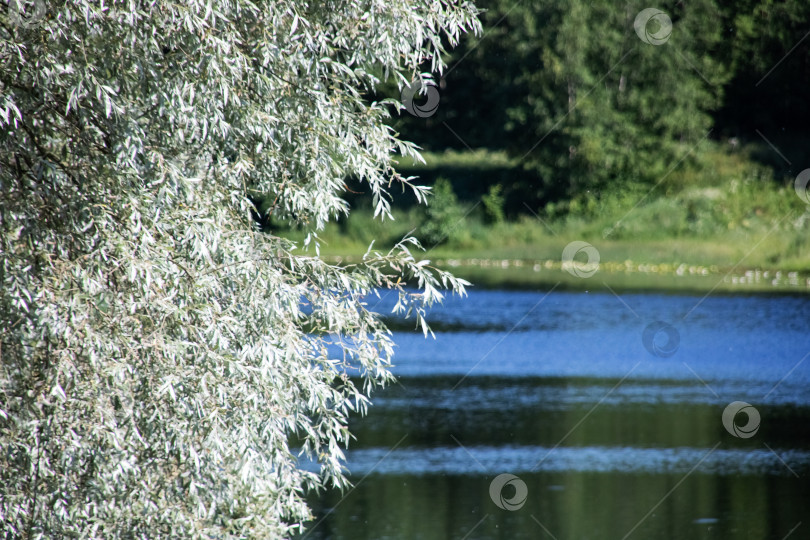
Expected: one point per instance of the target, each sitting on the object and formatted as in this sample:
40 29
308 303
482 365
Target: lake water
606 411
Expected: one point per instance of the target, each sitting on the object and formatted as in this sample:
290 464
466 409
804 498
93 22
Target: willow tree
166 364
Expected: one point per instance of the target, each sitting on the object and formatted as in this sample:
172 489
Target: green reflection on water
570 505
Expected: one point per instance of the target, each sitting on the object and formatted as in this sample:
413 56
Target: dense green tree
160 354
443 217
569 88
766 44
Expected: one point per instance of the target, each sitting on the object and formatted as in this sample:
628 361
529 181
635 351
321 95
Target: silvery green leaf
158 350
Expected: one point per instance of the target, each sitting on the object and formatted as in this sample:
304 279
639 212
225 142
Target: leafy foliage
493 203
158 350
443 217
579 101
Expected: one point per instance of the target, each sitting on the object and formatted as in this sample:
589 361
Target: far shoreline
625 276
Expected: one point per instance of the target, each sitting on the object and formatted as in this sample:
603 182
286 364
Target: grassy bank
726 224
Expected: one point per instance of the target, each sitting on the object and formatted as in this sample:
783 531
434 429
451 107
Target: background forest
560 121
